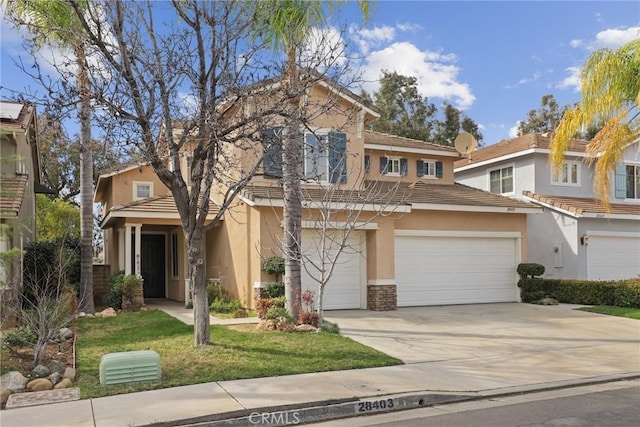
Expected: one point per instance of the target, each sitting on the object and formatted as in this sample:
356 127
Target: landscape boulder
39 384
56 366
65 383
40 371
13 381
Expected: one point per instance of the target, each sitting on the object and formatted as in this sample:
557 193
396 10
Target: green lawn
234 354
633 313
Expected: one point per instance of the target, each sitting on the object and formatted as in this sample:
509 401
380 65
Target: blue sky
495 60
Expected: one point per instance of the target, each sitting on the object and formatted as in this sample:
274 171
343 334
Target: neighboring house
576 237
438 243
19 179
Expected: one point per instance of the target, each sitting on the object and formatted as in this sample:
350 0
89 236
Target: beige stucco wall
121 189
412 172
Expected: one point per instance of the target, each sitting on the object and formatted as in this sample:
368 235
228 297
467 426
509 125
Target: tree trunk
320 309
202 329
292 215
86 185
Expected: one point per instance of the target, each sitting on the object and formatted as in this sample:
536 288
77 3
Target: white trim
398 149
136 184
456 233
613 233
462 208
513 179
334 206
338 225
513 156
610 216
381 282
348 98
548 206
569 163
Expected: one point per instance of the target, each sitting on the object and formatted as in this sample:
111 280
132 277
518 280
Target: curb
311 412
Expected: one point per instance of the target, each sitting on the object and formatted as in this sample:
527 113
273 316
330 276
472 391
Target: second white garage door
613 255
439 269
344 289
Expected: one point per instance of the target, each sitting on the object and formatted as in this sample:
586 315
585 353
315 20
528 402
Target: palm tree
287 24
56 22
610 95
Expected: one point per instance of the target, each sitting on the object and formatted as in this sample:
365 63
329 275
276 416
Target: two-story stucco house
575 237
19 178
440 243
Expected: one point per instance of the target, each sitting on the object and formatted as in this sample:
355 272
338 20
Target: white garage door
435 270
344 288
613 256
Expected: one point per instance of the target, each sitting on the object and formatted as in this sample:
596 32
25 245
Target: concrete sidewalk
317 396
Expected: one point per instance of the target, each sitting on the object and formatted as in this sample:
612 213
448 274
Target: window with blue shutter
438 169
272 145
420 167
429 169
383 165
621 181
404 167
367 163
338 157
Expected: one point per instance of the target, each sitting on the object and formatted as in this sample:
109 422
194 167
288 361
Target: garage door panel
613 257
454 270
344 288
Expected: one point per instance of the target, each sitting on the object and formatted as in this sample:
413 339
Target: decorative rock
40 371
144 308
13 381
305 328
107 312
55 377
4 396
82 314
65 334
39 384
69 373
56 366
65 383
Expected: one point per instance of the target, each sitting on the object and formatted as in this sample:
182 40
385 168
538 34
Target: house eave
513 156
466 208
399 149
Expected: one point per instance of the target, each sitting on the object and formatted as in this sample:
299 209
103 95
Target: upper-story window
324 155
429 168
628 181
501 180
142 190
393 166
568 174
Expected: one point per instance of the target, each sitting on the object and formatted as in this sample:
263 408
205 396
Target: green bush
225 306
274 289
530 270
130 284
19 337
619 293
274 265
264 304
114 293
215 290
330 328
278 314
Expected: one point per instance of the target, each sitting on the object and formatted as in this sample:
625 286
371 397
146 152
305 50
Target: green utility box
130 367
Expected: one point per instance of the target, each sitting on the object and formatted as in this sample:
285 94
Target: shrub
330 328
274 289
19 337
308 318
620 293
215 290
130 285
275 266
263 305
225 306
278 314
114 294
530 270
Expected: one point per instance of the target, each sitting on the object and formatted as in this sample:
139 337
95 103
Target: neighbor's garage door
613 256
344 288
434 270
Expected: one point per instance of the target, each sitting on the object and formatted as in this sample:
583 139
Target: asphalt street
614 404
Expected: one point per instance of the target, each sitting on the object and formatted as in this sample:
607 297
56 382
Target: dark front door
153 265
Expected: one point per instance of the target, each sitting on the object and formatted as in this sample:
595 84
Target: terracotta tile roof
580 206
404 194
379 138
515 145
11 195
23 120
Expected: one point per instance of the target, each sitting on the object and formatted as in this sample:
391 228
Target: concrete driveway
542 342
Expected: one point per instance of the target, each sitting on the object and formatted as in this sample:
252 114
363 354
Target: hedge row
619 293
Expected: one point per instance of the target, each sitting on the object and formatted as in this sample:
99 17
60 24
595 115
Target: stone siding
382 298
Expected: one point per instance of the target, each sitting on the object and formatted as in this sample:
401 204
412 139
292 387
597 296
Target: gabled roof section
515 147
418 195
16 116
384 141
161 208
579 207
11 195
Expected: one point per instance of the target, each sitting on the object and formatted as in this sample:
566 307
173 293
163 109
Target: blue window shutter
420 167
404 167
338 157
438 169
383 165
621 181
367 163
272 144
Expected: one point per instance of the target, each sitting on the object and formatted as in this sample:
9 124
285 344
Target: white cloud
408 27
514 130
384 33
615 37
435 72
572 80
325 48
535 76
575 43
